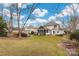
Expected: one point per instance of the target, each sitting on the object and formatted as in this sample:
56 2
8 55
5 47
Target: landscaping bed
71 47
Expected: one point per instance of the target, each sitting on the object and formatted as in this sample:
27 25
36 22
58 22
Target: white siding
77 27
54 32
50 27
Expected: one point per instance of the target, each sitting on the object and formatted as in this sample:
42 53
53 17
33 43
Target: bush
32 32
59 34
3 28
74 35
3 33
22 35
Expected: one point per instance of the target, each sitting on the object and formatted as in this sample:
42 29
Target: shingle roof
52 23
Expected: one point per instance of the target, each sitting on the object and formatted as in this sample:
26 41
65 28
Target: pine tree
3 28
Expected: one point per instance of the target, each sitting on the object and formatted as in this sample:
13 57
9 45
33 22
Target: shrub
59 34
22 35
3 28
32 32
74 35
3 33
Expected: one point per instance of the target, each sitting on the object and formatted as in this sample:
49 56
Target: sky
42 14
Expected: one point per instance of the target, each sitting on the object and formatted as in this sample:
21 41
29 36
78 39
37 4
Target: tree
31 10
18 18
11 20
18 10
3 27
74 17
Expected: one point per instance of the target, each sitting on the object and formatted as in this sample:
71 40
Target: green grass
35 45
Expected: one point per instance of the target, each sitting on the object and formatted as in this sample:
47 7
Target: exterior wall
53 27
55 32
49 32
50 27
77 27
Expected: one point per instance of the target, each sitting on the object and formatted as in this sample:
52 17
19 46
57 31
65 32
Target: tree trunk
18 20
11 21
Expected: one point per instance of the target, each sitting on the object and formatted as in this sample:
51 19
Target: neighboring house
29 29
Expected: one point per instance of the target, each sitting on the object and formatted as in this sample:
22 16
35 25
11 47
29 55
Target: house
54 28
51 28
42 30
77 27
30 29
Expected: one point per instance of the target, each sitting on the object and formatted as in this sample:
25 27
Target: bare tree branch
32 9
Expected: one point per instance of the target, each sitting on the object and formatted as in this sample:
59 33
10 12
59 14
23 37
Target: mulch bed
71 47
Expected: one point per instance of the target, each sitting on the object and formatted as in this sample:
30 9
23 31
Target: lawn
33 46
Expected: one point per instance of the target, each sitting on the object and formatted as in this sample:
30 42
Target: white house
51 28
77 27
54 28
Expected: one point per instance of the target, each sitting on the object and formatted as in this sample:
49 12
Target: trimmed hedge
75 35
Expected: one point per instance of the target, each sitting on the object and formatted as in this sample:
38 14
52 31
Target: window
53 32
57 31
55 26
46 31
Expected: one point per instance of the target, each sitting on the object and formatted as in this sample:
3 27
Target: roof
42 27
51 23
